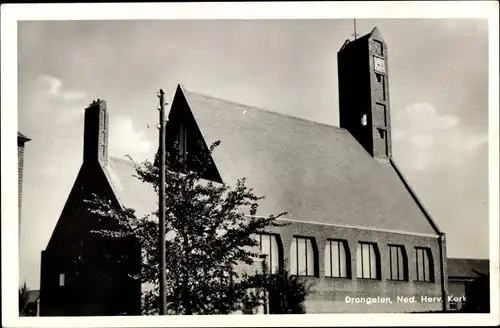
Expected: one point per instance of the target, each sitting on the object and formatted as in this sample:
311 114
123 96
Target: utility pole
163 274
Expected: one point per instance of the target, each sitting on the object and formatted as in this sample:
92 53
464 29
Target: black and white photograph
254 167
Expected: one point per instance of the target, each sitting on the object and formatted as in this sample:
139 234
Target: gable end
90 179
182 115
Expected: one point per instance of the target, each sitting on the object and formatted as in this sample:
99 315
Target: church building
356 229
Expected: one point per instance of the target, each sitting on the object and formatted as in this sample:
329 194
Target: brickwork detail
20 170
96 129
332 295
364 90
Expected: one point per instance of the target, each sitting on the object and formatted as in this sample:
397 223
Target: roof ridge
264 110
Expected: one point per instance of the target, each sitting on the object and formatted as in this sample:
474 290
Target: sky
438 94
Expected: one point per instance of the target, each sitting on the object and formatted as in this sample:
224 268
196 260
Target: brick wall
96 127
93 285
355 91
21 140
330 294
20 171
381 110
362 91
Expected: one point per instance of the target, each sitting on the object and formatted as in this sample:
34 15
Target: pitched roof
22 136
464 268
33 296
313 171
130 191
374 32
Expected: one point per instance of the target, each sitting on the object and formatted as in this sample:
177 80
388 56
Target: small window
303 257
367 259
364 120
381 81
103 142
425 268
453 306
269 247
397 262
336 259
381 132
379 48
62 280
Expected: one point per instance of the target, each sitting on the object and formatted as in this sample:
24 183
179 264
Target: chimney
95 135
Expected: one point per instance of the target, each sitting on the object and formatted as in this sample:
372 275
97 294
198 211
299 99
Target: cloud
124 139
54 87
427 139
49 104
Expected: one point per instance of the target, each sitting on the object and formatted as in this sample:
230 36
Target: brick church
355 227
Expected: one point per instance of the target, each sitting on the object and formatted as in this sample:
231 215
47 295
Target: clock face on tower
379 64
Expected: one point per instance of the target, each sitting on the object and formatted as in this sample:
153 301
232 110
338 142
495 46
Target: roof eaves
460 279
22 137
468 259
350 226
359 227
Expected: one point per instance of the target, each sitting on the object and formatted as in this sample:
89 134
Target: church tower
363 79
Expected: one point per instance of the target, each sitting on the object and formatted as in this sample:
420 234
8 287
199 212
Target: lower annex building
356 228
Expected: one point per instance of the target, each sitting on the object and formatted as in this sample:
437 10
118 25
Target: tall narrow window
62 279
380 115
367 261
336 262
182 140
302 257
425 270
364 120
378 48
381 85
397 262
269 247
103 147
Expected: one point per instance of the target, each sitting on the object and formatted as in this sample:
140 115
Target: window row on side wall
303 260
